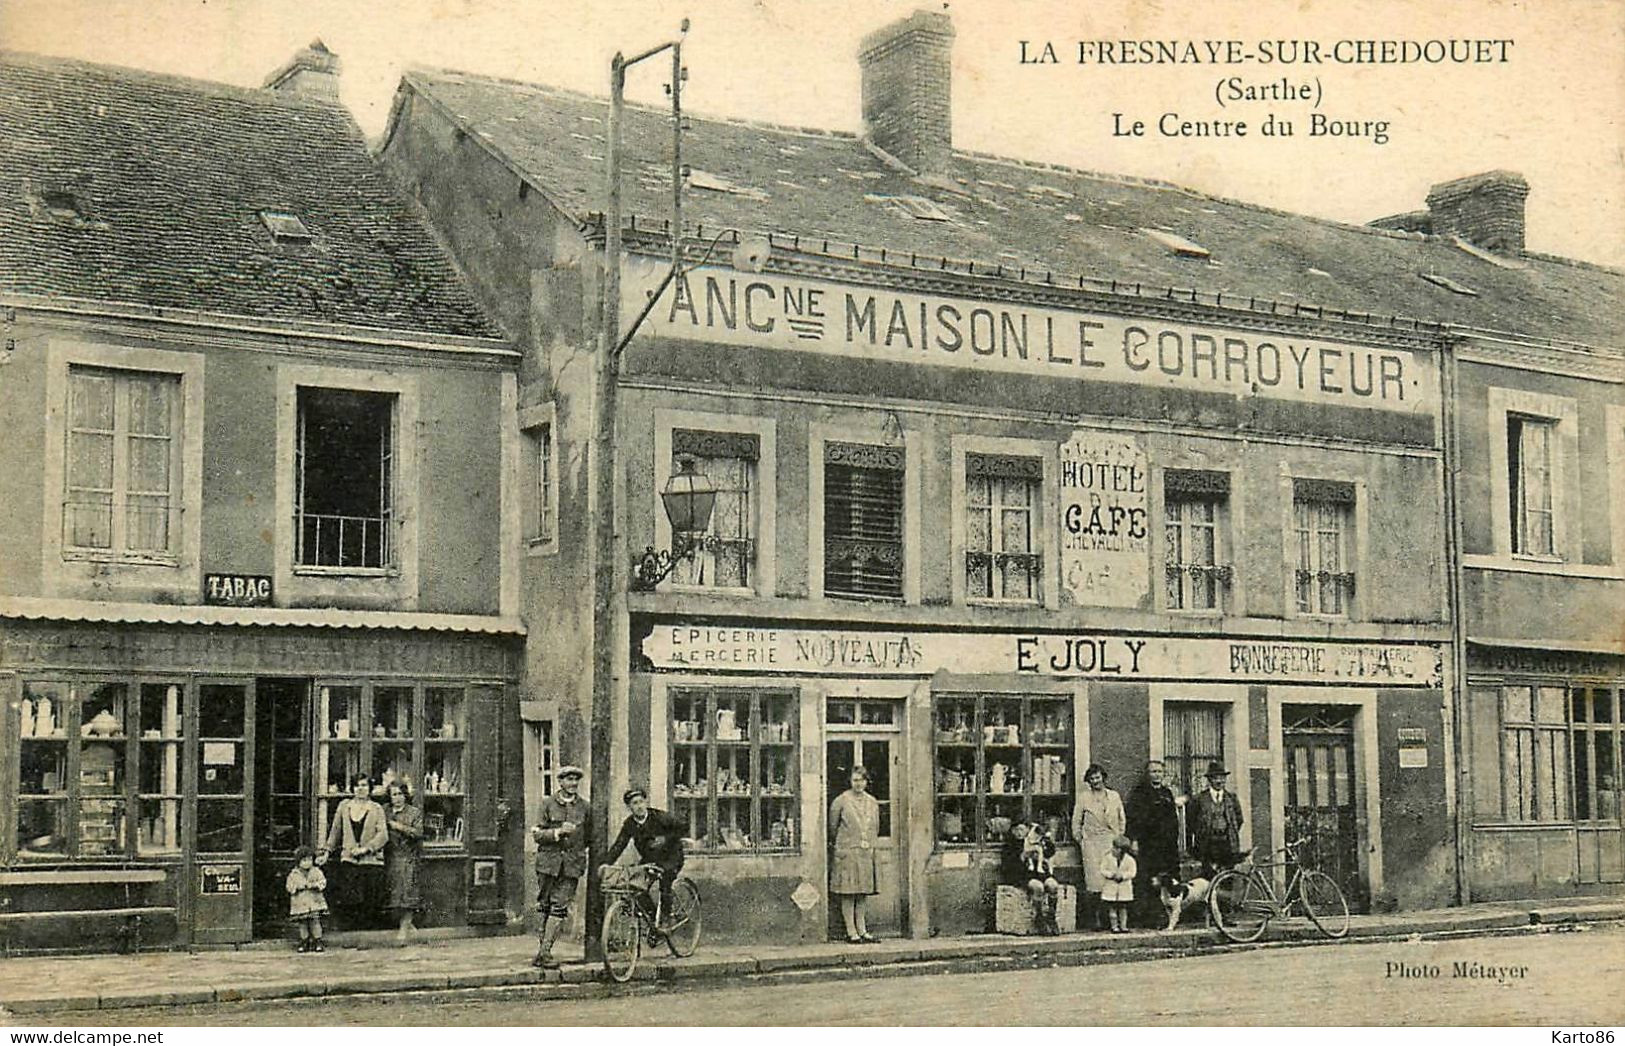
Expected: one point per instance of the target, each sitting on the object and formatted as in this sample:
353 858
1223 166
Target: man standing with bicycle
561 859
659 839
1216 823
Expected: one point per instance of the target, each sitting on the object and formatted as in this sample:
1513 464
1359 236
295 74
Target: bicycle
1242 900
628 922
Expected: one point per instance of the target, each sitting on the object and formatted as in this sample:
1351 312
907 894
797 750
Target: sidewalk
45 985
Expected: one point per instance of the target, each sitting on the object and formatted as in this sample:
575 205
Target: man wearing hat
1216 823
658 837
561 858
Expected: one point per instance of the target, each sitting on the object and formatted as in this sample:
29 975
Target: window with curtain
1192 736
1323 524
726 555
122 463
1595 742
1520 747
1529 463
1002 558
863 521
1193 511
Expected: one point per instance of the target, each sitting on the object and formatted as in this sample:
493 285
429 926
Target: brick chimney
906 109
1484 209
312 73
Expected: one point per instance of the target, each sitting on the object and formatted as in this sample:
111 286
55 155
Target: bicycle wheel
622 940
684 933
1323 899
1241 905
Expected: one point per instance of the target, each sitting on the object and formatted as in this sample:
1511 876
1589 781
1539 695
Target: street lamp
688 498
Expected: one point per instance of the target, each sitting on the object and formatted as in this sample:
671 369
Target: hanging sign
1105 520
773 311
221 878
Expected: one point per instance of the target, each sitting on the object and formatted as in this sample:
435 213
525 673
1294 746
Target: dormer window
1178 244
285 227
919 207
63 203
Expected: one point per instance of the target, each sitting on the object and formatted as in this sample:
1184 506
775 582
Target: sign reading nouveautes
779 312
1060 655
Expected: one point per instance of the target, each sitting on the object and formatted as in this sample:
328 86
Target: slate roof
139 189
1044 218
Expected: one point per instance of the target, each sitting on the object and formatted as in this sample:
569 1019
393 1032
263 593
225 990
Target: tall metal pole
605 560
608 562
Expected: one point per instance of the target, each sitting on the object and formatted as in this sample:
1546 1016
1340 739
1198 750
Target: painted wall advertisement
772 311
1046 654
1105 520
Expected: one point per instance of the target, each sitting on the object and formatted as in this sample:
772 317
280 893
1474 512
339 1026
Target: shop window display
1001 758
734 776
442 785
162 757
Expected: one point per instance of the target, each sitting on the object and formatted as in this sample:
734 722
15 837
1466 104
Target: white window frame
1355 541
540 507
1046 508
1563 413
864 429
764 573
119 468
82 572
1615 490
394 587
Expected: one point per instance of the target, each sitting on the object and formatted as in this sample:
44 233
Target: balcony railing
344 542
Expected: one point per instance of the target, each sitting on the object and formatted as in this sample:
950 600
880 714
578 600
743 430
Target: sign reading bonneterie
770 311
1083 655
1105 520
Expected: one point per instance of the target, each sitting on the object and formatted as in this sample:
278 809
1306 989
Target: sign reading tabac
1105 533
769 311
723 648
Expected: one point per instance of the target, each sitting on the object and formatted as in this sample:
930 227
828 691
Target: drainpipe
1460 781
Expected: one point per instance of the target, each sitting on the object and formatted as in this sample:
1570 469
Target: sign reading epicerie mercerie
1061 655
778 312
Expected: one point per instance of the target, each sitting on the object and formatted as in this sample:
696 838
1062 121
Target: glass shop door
222 796
868 733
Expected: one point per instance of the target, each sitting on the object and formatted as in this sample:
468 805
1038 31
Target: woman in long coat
358 835
854 825
1097 821
403 856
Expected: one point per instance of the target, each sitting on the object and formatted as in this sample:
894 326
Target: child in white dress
1117 868
307 899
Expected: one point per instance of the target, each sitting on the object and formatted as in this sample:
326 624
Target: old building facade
265 551
1019 469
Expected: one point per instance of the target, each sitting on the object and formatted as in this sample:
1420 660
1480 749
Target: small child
306 901
1118 869
1043 891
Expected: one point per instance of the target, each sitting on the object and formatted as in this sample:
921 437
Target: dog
1181 895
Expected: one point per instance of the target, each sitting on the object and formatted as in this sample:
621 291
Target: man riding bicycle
659 839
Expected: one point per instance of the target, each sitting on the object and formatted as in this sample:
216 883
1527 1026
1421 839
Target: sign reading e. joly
1105 529
717 648
772 311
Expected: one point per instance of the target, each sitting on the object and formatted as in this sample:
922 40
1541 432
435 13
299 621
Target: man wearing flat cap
1215 823
658 837
561 858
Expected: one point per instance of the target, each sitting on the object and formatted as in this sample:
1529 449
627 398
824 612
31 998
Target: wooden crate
1013 912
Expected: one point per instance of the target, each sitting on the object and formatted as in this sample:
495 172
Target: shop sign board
781 312
1114 656
237 590
221 879
1105 520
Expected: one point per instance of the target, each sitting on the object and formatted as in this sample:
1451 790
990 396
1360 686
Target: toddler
1118 869
306 901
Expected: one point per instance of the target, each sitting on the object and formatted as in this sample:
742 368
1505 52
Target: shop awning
30 609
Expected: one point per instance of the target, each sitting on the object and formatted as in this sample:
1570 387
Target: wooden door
222 794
